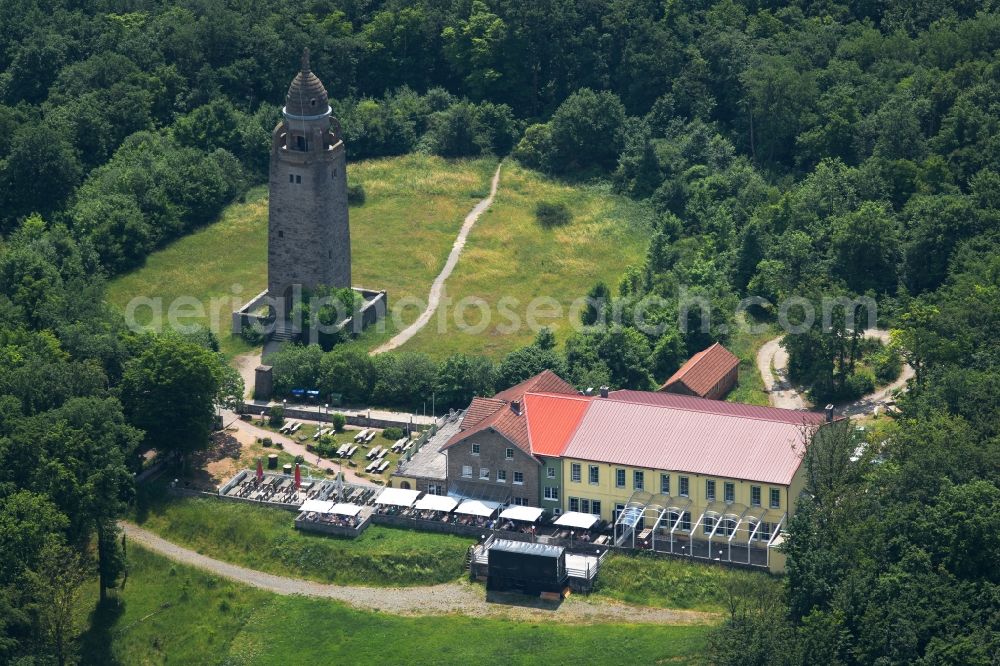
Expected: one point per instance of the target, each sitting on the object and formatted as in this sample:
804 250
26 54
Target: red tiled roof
655 435
504 421
552 418
693 403
704 370
544 382
479 409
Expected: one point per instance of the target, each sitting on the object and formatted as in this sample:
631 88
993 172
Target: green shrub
551 214
393 433
252 334
356 195
338 420
276 416
279 445
300 459
268 442
886 364
860 383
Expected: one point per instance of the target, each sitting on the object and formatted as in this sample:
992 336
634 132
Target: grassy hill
400 239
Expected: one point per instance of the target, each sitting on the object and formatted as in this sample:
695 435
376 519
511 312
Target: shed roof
704 370
523 547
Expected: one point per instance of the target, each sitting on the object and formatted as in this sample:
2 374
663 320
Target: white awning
473 507
315 505
526 513
397 497
583 521
345 509
436 503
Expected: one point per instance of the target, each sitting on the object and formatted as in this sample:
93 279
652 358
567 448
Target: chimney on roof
515 406
829 413
604 391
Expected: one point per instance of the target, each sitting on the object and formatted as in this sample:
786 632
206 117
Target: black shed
530 568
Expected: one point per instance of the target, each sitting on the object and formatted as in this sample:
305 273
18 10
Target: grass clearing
510 255
170 613
745 344
400 239
265 539
671 582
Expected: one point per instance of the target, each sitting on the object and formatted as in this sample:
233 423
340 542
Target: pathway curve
772 362
445 599
434 298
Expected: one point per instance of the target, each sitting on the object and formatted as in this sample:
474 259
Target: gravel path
449 598
772 362
434 298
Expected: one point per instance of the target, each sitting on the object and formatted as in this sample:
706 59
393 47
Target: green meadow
400 239
170 613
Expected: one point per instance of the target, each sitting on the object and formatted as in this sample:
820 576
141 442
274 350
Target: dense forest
845 148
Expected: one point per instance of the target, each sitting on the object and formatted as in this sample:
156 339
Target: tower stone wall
309 240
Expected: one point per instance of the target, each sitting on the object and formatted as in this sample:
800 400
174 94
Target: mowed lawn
510 260
265 538
170 613
400 239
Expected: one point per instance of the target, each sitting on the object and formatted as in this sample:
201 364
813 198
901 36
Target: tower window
300 143
281 234
330 253
291 178
298 180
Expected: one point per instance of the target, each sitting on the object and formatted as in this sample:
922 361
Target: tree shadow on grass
95 643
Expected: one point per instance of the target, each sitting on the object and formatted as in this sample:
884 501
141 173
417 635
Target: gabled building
711 373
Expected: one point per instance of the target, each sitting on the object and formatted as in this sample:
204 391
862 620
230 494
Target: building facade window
484 474
730 492
710 490
765 531
686 521
775 498
638 479
619 478
550 472
435 489
520 501
501 476
709 525
595 507
574 504
682 483
466 470
551 493
475 449
595 474
574 472
298 180
509 454
584 505
754 495
618 511
519 478
665 484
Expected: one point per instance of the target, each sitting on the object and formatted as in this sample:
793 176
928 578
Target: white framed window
501 476
618 510
754 495
709 525
595 507
574 504
519 478
619 478
475 449
509 454
595 475
551 493
550 472
686 521
683 485
665 484
638 479
520 501
484 474
584 505
574 472
775 498
710 490
466 470
729 492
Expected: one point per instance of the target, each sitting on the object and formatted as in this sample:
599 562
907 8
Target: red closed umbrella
260 471
298 476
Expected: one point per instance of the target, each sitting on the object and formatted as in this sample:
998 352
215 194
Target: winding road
445 599
772 362
434 298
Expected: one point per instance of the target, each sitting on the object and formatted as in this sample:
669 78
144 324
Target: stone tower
308 237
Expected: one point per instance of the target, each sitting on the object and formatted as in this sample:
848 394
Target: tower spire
305 60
